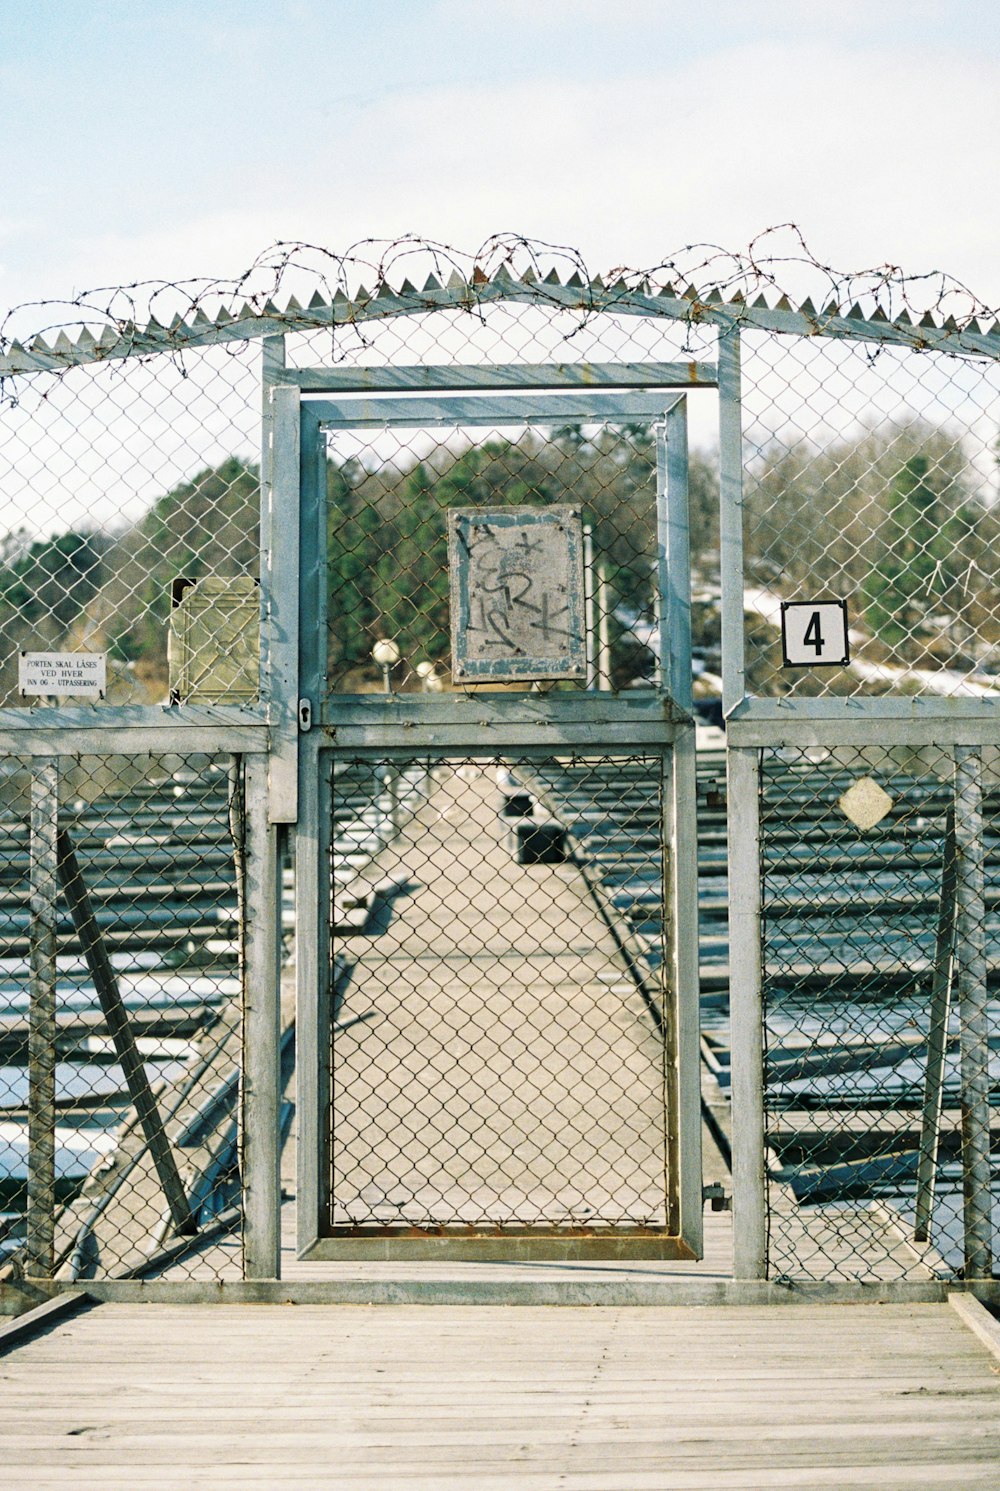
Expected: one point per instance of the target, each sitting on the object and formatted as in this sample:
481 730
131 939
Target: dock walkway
493 1048
493 1061
860 1398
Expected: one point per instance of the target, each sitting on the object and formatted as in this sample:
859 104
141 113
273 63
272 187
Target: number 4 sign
814 634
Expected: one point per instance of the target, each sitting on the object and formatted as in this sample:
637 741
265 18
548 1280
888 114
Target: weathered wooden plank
612 1471
979 1320
889 1397
15 1332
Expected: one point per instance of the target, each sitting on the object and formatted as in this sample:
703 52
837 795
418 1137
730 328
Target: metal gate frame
407 724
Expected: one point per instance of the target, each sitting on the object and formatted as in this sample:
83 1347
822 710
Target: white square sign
517 597
814 634
53 673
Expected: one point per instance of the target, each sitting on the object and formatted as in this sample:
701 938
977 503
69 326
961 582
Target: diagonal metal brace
102 973
937 1039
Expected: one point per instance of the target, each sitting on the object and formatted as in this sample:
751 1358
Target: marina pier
500 919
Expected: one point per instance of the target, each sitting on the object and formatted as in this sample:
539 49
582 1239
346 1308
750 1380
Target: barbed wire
777 270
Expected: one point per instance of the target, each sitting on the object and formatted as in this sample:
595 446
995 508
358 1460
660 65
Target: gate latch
716 1193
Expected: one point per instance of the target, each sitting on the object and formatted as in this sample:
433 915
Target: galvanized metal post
272 365
731 519
971 999
260 1092
313 887
44 891
743 787
746 1017
684 953
682 840
282 620
603 630
673 523
937 1037
661 592
313 880
667 1007
588 604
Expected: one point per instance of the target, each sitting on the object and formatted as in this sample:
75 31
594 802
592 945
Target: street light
386 653
429 680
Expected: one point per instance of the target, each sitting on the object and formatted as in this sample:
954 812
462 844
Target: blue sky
168 138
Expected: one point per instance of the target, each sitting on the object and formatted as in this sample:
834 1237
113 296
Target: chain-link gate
496 883
501 1058
504 1071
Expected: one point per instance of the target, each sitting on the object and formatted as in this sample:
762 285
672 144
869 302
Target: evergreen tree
914 569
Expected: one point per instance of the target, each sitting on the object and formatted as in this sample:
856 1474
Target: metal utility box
214 641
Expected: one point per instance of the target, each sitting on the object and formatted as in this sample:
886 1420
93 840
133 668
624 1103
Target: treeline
388 542
896 522
892 520
95 591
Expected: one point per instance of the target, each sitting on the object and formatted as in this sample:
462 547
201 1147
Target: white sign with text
50 673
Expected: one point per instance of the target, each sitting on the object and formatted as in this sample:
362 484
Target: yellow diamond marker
865 803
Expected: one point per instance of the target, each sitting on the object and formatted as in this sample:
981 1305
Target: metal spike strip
201 330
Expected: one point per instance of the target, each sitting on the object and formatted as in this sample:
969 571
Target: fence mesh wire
120 482
500 1055
504 334
157 859
388 507
129 473
871 468
871 475
869 919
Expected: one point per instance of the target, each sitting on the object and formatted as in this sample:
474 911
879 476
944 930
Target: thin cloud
710 148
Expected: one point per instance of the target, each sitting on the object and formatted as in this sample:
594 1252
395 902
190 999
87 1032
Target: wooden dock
860 1398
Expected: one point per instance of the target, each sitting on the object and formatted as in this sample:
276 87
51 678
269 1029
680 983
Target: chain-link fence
871 476
121 1015
128 452
388 512
500 1059
139 529
881 883
124 484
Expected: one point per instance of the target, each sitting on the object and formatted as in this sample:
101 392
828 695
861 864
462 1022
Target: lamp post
386 653
428 675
